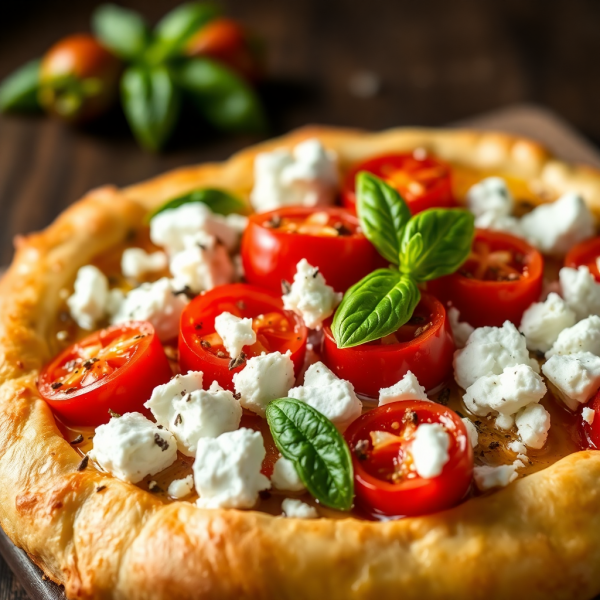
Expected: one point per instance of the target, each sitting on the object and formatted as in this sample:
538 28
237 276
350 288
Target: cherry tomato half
386 483
586 253
201 348
424 346
591 433
274 242
498 282
424 182
115 368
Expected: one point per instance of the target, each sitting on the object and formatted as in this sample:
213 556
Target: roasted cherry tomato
587 254
79 78
114 369
591 433
424 346
424 182
498 282
385 481
274 243
201 348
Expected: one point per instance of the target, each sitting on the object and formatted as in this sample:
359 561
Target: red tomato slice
586 253
498 282
386 483
116 368
201 348
424 346
591 433
274 243
423 182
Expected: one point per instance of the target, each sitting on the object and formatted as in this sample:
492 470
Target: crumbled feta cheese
408 388
131 447
310 297
588 415
554 228
582 337
533 424
264 378
235 332
136 262
91 299
504 421
296 509
472 432
580 290
429 449
517 447
285 476
227 469
542 322
490 196
155 302
488 351
487 477
575 377
460 330
180 488
331 396
306 177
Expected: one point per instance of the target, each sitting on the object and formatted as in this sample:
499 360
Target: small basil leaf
317 449
375 307
19 91
122 31
436 242
383 214
151 104
219 201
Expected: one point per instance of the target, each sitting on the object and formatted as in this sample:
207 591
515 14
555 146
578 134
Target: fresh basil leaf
436 242
383 214
317 449
223 97
151 104
19 91
375 307
219 201
122 31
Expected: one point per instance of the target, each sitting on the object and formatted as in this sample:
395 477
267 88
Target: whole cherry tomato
79 78
274 242
201 348
586 253
113 369
424 182
385 481
424 346
498 282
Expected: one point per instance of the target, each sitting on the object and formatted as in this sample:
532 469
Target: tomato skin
439 194
125 390
585 253
493 302
412 497
372 367
269 255
203 310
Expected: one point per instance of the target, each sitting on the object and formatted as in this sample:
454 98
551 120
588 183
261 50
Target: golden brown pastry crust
537 538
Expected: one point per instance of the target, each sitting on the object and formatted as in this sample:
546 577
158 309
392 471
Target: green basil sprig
427 246
219 201
317 449
19 91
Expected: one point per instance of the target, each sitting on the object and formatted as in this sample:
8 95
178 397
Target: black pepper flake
410 416
187 290
264 494
88 364
113 414
341 229
187 397
154 487
160 426
241 304
237 396
100 488
84 463
494 445
178 419
198 326
160 442
205 344
56 385
444 396
77 440
286 287
70 366
70 390
273 223
238 361
315 272
361 449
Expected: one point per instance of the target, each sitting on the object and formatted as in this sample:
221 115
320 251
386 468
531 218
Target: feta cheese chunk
460 330
310 297
131 447
588 414
308 176
487 477
429 449
472 432
496 222
331 396
490 196
582 337
264 378
136 262
574 377
408 388
554 228
296 509
235 332
518 448
489 351
285 476
581 291
227 470
180 488
533 424
542 322
155 302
